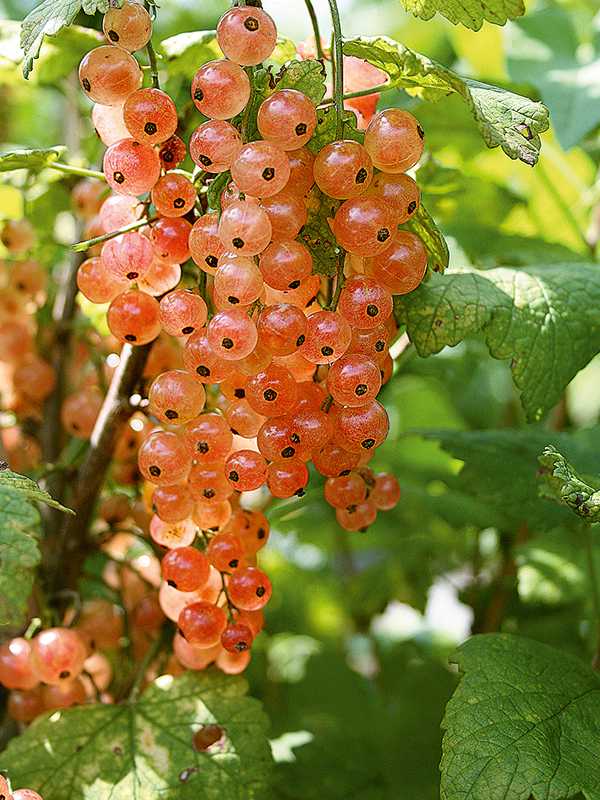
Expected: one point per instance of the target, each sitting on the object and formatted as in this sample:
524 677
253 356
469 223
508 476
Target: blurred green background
354 672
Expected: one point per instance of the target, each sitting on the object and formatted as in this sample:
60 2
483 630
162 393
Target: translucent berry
301 171
225 552
131 167
285 264
176 397
332 460
150 115
208 438
185 569
310 430
109 124
119 210
128 256
34 378
386 492
246 470
160 278
246 35
207 482
212 516
202 623
87 197
172 534
164 459
373 343
400 191
130 26
214 145
22 706
58 655
343 169
253 532
328 335
170 238
354 380
364 302
134 317
402 266
281 328
174 195
249 589
394 140
232 663
364 428
172 503
357 517
287 213
205 243
245 228
232 334
243 419
272 392
200 357
182 312
364 226
287 478
237 637
66 694
17 669
345 491
287 118
261 169
79 412
108 75
238 280
220 89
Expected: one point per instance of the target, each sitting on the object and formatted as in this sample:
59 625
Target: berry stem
69 169
382 87
338 64
71 548
151 9
594 591
315 26
339 281
80 247
151 654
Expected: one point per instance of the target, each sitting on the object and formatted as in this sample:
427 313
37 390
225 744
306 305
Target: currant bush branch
80 247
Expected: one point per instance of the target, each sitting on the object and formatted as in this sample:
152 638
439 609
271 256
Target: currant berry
160 278
57 655
261 169
402 266
193 657
207 482
328 335
212 516
22 706
301 172
128 256
400 191
236 638
65 695
310 430
249 589
173 195
172 153
362 429
164 459
287 213
357 517
172 534
394 140
245 228
286 479
182 312
17 670
214 145
108 123
238 280
205 243
246 470
131 167
285 264
274 439
311 396
108 75
79 412
172 503
34 379
343 169
345 491
130 27
272 392
119 210
287 118
208 438
354 380
185 569
150 116
87 197
281 328
170 237
202 624
232 334
373 343
225 552
200 358
220 89
232 663
134 317
243 419
364 226
246 35
386 491
364 302
332 460
176 397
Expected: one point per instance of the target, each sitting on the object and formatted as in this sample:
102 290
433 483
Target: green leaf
49 18
524 722
317 234
541 318
30 159
27 489
306 76
19 554
145 749
505 119
326 131
186 52
423 224
560 482
470 13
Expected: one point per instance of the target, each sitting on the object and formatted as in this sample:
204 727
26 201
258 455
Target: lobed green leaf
470 13
30 159
505 119
560 482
